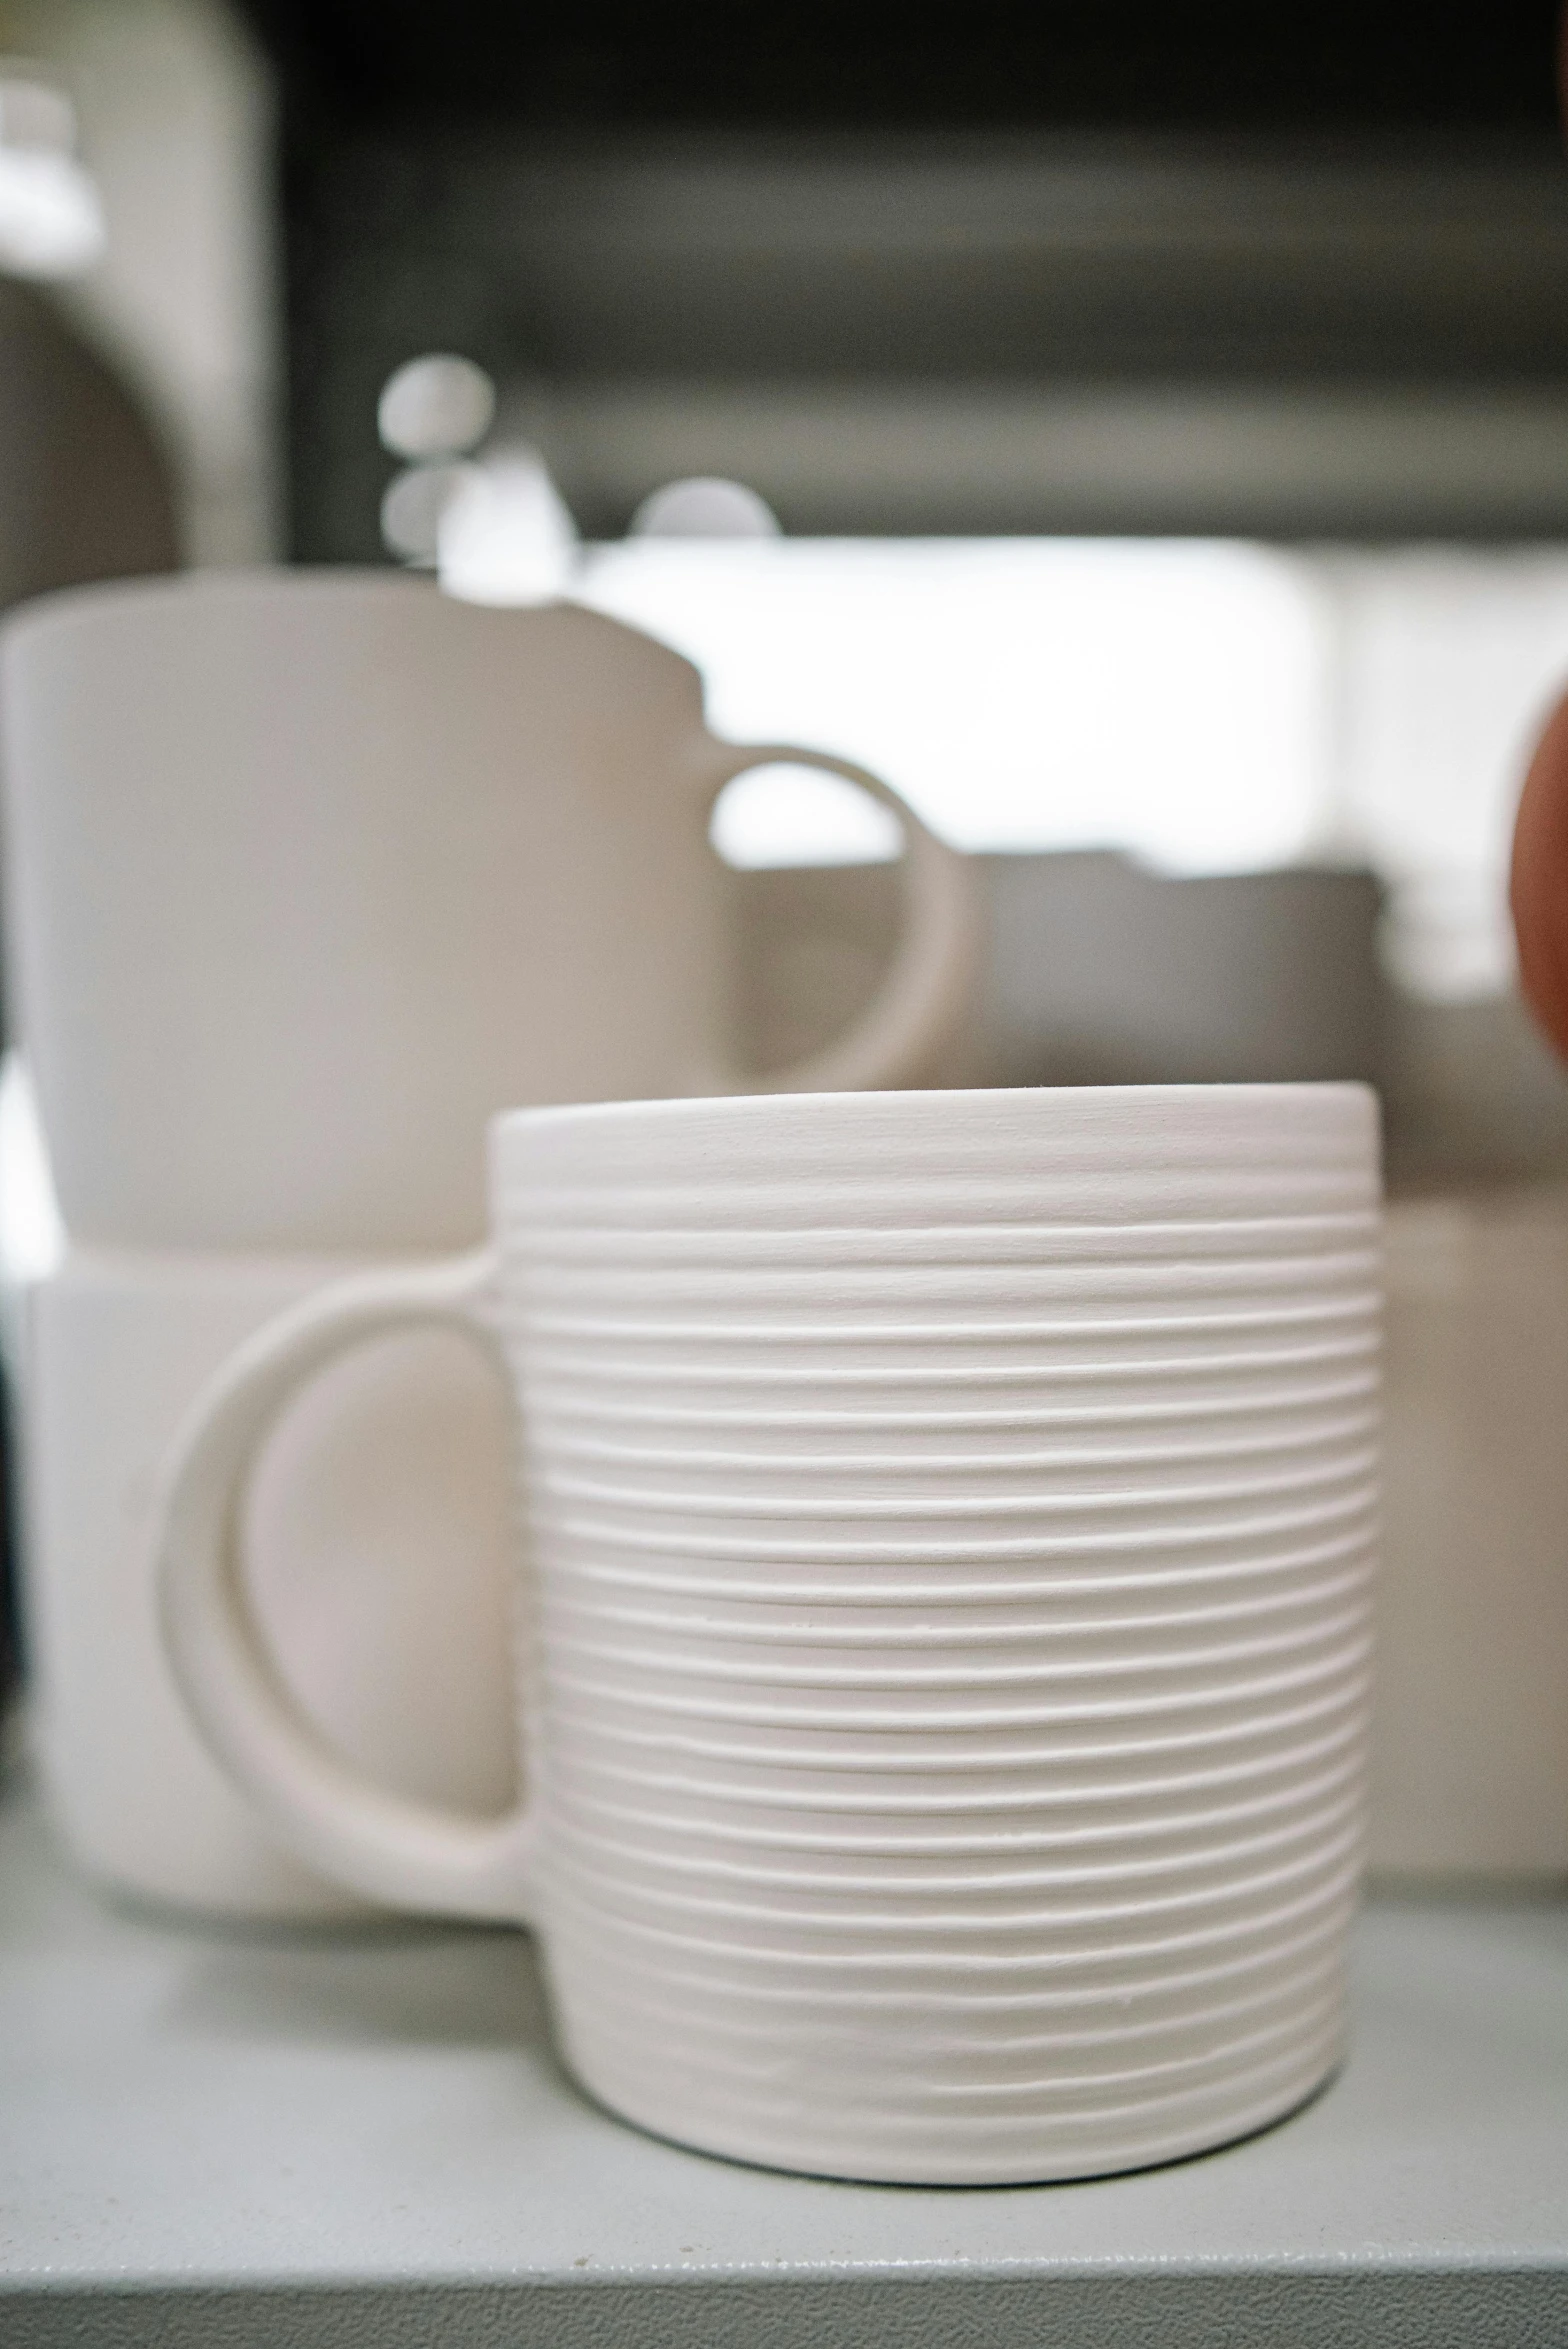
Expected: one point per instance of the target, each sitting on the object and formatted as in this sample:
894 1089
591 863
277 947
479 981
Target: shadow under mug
945 1645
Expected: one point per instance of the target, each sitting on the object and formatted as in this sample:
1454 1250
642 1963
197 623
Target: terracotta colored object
1538 883
1538 888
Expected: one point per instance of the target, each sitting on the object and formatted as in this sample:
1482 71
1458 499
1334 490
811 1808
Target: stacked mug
307 876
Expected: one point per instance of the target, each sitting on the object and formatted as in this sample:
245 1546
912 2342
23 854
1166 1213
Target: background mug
1470 1775
378 1563
310 873
945 1656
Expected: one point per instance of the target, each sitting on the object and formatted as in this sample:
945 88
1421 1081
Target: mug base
1049 2166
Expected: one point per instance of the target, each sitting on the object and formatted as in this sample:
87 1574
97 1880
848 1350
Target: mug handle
405 1853
926 987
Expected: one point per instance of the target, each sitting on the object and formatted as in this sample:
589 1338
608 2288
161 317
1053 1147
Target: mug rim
966 1100
110 604
94 598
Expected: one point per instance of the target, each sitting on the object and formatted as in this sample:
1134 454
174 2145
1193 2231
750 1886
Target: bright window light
1208 706
1452 658
51 222
1163 697
32 1238
782 815
504 536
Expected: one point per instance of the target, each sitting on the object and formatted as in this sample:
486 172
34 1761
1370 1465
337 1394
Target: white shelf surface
223 2137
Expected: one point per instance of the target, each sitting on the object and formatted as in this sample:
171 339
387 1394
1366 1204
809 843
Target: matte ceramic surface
378 1560
316 871
362 2140
1470 1777
946 1663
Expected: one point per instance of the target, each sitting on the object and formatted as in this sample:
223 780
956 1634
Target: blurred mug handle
926 988
407 1854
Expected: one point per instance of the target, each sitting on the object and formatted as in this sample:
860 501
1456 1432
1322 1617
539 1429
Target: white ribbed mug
945 1658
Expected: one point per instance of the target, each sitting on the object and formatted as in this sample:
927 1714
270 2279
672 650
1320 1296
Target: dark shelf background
961 202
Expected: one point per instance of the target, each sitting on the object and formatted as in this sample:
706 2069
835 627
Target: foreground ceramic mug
317 871
378 1562
945 1655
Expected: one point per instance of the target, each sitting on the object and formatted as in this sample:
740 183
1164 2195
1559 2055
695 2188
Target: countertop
216 2136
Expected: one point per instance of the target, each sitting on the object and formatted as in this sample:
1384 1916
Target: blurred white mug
378 1558
310 873
1470 1775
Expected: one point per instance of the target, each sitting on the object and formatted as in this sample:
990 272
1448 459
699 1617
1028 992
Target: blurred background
1140 432
1155 420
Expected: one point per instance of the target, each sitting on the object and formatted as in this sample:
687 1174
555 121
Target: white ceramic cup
946 1660
378 1560
1470 1773
310 873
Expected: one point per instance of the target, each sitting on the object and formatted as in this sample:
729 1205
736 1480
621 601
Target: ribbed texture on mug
956 1607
